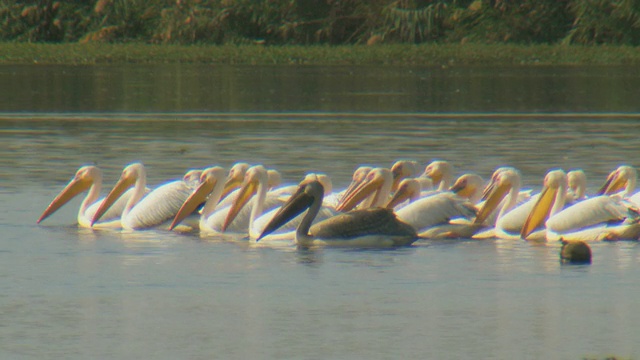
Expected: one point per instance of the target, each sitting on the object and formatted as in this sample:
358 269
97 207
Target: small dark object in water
575 252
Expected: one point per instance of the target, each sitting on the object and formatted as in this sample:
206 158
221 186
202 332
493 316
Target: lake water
75 293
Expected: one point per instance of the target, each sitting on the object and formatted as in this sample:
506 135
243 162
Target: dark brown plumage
376 227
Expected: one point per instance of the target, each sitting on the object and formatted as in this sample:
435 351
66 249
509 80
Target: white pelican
433 220
220 220
597 218
441 174
287 231
503 191
423 213
577 186
210 191
410 190
488 215
622 180
216 208
232 186
469 186
255 183
603 217
373 191
437 174
403 169
87 177
435 210
550 202
275 187
152 210
360 228
233 182
559 191
359 175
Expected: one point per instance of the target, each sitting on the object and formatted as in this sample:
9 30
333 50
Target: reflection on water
78 293
205 88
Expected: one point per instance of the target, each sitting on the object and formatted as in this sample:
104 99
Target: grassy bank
459 54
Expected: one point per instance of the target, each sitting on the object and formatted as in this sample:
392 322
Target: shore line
443 55
304 116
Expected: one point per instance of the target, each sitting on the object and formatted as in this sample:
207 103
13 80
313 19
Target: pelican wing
435 209
158 206
331 200
513 221
377 221
596 210
213 223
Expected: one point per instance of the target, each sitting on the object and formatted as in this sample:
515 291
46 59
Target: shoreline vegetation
321 32
444 55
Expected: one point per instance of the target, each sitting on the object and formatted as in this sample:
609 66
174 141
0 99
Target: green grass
441 55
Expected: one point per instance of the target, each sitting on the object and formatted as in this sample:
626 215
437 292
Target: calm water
75 293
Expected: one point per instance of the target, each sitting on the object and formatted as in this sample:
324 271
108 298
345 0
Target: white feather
435 210
159 206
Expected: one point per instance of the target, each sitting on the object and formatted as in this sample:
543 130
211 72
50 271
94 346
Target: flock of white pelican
382 207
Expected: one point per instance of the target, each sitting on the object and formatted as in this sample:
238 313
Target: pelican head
358 177
192 175
402 169
84 178
209 178
309 191
503 181
494 180
324 180
274 178
235 177
378 180
440 172
408 189
255 176
129 176
624 177
577 184
469 186
550 201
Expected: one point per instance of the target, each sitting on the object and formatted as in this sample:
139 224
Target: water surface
75 293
